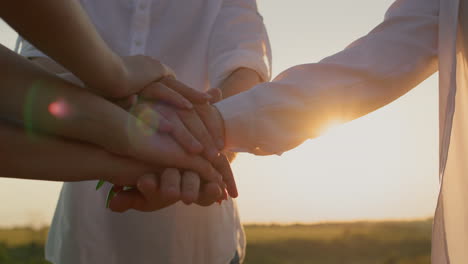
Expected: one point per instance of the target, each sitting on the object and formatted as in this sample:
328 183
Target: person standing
417 38
208 44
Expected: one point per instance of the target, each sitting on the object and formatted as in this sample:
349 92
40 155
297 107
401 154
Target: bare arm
44 102
80 48
82 51
41 157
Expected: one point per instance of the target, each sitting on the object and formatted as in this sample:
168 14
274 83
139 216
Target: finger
161 150
151 118
148 186
168 71
190 94
144 197
197 128
216 95
159 91
133 199
209 194
190 187
204 169
222 165
179 131
213 123
170 185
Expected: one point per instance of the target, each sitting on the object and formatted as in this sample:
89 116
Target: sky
381 166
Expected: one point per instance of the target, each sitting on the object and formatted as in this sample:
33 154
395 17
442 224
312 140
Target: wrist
240 80
220 120
110 78
100 122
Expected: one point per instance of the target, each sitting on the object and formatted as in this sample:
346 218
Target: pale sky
378 167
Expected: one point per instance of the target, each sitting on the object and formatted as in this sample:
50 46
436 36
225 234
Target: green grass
360 243
331 243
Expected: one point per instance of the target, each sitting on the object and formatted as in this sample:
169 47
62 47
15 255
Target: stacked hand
199 131
173 131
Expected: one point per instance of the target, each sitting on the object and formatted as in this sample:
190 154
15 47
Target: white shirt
203 41
416 38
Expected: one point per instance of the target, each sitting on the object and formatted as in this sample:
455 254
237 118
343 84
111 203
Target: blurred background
364 192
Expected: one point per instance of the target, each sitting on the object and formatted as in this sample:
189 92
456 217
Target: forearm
53 159
43 101
80 49
375 70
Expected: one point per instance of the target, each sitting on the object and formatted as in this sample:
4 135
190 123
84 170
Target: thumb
216 95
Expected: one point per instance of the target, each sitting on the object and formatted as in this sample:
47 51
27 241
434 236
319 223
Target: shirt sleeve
373 71
239 40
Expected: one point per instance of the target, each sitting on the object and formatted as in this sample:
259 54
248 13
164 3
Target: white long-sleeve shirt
416 38
203 41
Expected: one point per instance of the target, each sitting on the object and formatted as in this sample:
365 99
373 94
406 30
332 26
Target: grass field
331 243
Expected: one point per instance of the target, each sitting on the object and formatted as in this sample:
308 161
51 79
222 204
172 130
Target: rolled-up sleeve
239 40
373 71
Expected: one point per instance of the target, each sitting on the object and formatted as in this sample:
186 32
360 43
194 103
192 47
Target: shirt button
138 43
142 6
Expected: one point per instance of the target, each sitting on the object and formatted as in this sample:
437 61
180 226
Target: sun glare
331 126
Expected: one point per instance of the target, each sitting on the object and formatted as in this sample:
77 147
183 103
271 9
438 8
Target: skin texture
86 54
198 130
160 191
55 159
90 58
86 117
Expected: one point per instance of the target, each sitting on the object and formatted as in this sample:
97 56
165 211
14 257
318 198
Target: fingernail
207 96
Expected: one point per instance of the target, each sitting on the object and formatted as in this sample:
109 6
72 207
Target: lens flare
59 108
148 120
331 127
29 107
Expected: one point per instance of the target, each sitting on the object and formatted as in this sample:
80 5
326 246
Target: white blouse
203 41
417 38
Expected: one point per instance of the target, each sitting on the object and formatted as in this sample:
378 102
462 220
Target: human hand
154 80
190 131
157 192
145 143
136 75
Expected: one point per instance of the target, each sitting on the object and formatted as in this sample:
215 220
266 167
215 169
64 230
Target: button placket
140 26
